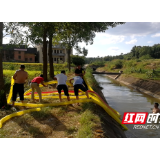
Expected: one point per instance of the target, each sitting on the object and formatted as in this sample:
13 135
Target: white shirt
77 80
61 78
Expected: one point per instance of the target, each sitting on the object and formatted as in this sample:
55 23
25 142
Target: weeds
33 131
140 68
71 130
44 113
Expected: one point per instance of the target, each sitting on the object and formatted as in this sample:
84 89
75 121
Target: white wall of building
39 49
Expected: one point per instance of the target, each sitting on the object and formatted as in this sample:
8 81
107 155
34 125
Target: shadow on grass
34 131
47 118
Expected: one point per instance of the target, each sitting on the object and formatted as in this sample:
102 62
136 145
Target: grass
59 121
31 66
71 130
62 110
43 113
135 67
33 131
31 74
85 132
88 121
91 80
3 133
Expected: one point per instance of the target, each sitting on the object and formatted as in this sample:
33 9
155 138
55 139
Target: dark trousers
77 87
18 88
64 87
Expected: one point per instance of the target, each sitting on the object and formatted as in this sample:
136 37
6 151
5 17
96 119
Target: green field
31 66
33 69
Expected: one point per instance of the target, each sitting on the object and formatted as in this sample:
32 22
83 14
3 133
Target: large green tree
76 32
82 51
39 33
42 33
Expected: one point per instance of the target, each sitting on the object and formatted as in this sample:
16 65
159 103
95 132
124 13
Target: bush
77 60
131 63
118 64
31 66
97 63
11 67
147 56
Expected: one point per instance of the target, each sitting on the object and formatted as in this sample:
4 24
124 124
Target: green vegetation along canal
125 99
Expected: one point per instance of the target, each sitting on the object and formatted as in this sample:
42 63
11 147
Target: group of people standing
21 76
78 83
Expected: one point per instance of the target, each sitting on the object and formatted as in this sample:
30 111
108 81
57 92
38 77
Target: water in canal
125 99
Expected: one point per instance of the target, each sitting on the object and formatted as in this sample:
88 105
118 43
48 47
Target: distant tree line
137 52
145 51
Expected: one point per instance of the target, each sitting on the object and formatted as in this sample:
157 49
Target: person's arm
15 75
44 84
70 80
55 78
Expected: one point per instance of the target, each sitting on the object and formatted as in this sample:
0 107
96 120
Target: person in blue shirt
81 73
78 84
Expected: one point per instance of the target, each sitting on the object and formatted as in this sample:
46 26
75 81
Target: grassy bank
58 122
144 69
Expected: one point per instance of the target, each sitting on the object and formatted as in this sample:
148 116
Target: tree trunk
45 55
3 100
51 72
69 63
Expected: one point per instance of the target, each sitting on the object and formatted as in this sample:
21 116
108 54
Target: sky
122 38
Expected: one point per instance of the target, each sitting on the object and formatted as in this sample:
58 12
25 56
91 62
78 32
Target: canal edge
136 87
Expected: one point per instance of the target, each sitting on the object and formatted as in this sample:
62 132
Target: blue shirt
77 80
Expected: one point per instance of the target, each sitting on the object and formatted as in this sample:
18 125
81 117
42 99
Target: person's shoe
14 109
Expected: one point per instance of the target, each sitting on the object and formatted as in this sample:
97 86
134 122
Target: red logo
134 117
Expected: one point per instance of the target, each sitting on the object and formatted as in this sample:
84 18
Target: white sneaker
14 109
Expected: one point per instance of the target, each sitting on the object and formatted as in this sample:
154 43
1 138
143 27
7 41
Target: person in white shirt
78 84
62 78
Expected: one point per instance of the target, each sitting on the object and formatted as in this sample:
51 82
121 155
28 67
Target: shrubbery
77 60
31 66
118 64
